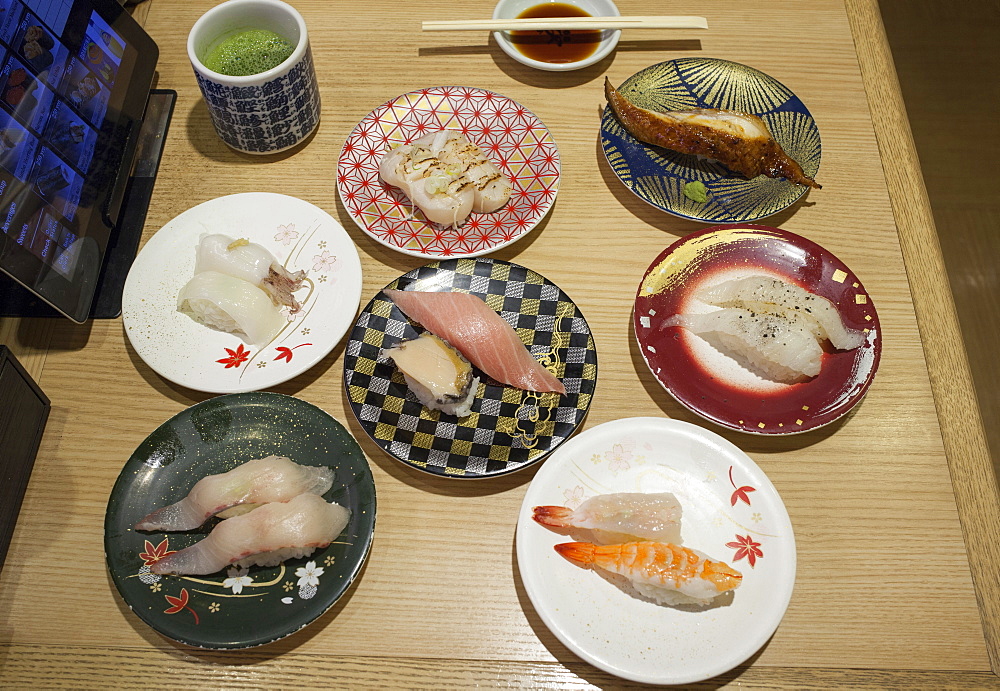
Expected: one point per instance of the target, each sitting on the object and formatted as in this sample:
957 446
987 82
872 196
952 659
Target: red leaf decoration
745 546
236 357
741 493
154 554
177 603
284 353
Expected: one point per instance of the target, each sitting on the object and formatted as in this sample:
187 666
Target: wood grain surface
884 594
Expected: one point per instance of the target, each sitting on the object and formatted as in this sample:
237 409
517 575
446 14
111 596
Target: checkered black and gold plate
508 428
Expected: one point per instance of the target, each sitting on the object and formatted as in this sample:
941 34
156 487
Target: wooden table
895 510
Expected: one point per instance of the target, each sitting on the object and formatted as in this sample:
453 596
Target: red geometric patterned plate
715 386
507 132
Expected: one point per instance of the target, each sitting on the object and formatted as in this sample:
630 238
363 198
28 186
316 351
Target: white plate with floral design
300 236
731 512
509 134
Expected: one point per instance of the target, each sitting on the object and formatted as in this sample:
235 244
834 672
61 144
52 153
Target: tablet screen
74 75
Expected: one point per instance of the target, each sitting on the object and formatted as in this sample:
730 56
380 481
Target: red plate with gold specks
509 134
714 385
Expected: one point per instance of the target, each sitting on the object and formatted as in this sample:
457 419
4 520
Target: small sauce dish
556 51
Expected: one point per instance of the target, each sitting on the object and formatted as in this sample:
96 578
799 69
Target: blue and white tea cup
261 113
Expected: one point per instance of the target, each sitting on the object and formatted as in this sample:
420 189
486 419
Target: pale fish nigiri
259 481
795 303
480 334
620 517
767 344
232 305
666 573
251 262
266 536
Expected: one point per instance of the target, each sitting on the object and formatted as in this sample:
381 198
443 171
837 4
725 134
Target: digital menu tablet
74 79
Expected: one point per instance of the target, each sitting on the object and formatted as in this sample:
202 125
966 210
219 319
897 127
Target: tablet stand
16 301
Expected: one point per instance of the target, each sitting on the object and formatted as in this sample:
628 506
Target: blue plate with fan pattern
658 176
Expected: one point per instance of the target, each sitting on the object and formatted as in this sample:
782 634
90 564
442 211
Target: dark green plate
233 609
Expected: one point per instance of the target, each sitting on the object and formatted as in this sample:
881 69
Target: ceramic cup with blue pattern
261 113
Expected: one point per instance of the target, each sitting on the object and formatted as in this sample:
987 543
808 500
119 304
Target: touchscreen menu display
61 71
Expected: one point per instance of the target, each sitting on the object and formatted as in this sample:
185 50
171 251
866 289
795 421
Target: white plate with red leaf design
300 236
509 134
731 512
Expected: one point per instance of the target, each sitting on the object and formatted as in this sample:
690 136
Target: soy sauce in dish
555 46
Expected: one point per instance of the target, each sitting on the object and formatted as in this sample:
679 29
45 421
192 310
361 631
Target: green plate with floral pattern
235 608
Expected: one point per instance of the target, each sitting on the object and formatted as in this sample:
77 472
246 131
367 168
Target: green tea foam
248 52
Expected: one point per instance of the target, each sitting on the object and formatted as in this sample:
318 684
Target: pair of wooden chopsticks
567 23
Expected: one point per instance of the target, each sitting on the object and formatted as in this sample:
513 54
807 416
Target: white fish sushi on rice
768 344
258 481
266 536
768 294
230 304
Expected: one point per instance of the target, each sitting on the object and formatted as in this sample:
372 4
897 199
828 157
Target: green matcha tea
248 52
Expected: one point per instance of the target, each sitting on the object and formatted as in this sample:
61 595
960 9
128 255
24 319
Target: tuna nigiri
262 480
664 572
264 537
620 517
480 334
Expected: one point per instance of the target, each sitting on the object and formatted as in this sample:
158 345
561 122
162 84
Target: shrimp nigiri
620 517
259 481
266 537
664 572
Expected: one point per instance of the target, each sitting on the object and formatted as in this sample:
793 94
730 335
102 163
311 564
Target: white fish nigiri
232 305
251 262
258 481
446 176
264 537
774 296
620 517
769 344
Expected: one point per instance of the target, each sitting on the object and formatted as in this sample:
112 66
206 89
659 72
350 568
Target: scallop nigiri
620 517
740 141
796 304
767 344
232 305
259 481
252 263
664 572
446 176
264 537
480 334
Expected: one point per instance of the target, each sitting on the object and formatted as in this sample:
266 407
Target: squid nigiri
480 334
252 263
446 176
264 537
230 304
666 573
262 480
620 517
740 141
